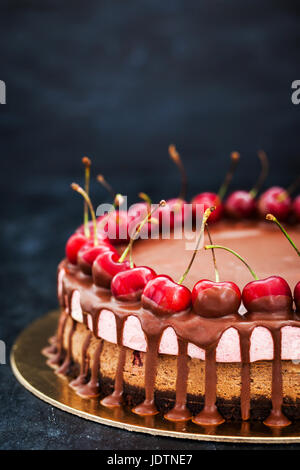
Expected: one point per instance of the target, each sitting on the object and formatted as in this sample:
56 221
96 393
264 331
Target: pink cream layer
228 349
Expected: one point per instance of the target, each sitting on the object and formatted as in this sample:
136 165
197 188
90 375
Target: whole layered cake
162 324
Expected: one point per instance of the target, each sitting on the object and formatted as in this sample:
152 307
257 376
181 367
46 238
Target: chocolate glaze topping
210 415
180 412
84 367
279 306
115 399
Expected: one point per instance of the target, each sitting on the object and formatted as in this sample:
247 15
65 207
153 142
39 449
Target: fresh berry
240 204
203 201
175 213
269 295
163 296
106 266
276 201
88 253
114 226
136 213
129 285
74 244
216 299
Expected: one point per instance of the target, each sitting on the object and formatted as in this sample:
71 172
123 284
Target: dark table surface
119 82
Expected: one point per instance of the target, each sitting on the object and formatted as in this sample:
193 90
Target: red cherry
115 226
207 200
276 201
74 244
89 252
213 199
216 299
138 211
106 266
163 296
136 214
269 295
175 213
240 204
296 207
297 296
129 285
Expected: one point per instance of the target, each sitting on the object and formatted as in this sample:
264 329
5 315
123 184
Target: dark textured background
118 81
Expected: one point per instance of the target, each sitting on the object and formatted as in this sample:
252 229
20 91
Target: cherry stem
147 199
282 196
293 186
263 173
235 156
138 229
118 201
210 247
117 197
272 218
106 185
130 258
87 173
213 256
174 155
204 220
86 197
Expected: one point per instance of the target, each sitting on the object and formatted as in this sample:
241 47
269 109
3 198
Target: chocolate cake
131 336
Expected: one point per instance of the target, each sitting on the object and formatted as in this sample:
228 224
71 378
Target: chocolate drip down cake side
208 333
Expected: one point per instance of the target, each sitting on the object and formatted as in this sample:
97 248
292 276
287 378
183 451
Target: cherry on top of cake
242 204
277 200
209 199
215 299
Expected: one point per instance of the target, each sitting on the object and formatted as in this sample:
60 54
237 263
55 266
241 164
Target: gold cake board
29 367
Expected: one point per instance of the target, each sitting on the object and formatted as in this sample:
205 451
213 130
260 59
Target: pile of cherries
276 200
